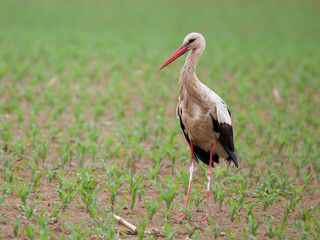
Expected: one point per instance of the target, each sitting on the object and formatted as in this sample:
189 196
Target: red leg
209 173
192 166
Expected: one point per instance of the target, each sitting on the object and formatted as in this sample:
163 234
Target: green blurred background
253 47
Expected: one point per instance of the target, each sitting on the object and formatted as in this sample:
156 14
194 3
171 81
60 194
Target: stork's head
193 41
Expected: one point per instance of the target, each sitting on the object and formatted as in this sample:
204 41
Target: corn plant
183 178
24 192
157 156
66 190
215 228
135 185
113 187
193 233
29 230
316 221
153 172
43 223
42 149
89 197
86 186
304 222
49 173
1 201
268 198
218 193
8 175
281 182
141 225
270 224
234 208
151 208
197 197
19 147
29 211
280 229
16 226
286 210
187 211
66 151
81 150
105 226
81 231
55 209
168 232
36 178
168 195
304 228
296 196
230 235
253 224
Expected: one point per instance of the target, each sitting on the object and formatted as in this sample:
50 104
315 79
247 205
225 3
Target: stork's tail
233 156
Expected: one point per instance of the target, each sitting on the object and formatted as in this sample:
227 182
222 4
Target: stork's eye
191 40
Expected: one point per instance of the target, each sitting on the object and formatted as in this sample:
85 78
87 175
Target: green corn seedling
151 208
168 232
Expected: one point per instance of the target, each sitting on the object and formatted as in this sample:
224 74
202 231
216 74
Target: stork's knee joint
191 169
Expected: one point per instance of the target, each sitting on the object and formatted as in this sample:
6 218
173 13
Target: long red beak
180 51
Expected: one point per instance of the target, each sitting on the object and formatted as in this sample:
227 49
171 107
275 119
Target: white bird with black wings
204 117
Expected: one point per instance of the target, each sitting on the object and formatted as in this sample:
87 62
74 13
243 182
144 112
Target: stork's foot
182 216
202 220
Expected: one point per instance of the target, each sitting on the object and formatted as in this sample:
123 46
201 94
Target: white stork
204 117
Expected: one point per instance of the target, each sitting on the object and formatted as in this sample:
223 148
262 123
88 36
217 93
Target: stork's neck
191 61
188 80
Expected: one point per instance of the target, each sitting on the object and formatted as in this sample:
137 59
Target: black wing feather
225 138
